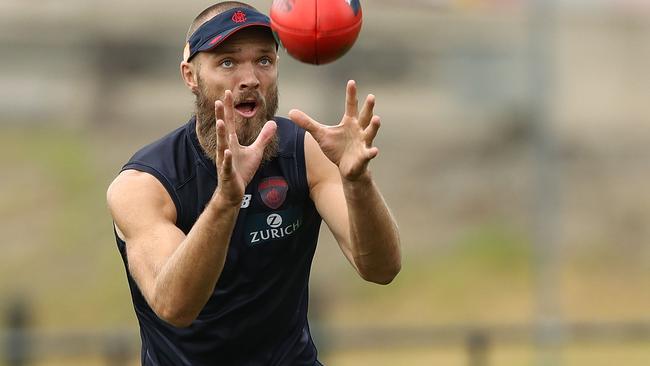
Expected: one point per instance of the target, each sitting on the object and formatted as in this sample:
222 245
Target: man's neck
200 137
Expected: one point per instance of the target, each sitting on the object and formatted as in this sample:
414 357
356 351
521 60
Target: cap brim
220 38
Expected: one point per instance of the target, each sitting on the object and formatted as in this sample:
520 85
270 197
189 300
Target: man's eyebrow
268 49
227 49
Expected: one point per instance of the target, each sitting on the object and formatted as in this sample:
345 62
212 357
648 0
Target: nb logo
274 220
246 201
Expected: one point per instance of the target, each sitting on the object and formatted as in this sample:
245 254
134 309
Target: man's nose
249 79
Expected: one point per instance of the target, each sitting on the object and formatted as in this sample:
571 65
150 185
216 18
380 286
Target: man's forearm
186 281
374 237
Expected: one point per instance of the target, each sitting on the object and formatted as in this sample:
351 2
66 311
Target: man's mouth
247 108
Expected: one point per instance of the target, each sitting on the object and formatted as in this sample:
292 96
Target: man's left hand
348 144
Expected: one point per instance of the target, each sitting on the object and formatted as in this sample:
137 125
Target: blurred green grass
484 277
59 251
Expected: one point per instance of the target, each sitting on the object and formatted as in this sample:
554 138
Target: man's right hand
236 164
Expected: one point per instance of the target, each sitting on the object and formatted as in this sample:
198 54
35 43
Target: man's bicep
144 215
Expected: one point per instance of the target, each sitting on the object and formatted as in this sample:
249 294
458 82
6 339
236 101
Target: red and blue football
316 31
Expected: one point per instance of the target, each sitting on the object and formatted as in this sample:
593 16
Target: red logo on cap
216 39
239 17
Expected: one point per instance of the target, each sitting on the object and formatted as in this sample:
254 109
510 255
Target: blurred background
514 155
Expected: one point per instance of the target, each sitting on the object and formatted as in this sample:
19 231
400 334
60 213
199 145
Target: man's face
246 64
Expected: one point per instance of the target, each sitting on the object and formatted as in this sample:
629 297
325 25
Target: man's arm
177 273
344 192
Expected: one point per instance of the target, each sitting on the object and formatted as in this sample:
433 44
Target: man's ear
189 73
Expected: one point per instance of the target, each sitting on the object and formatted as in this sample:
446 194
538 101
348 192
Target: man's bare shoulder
135 197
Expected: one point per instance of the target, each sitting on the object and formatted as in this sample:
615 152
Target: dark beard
247 129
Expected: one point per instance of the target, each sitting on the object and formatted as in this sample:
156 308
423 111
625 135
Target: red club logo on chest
273 191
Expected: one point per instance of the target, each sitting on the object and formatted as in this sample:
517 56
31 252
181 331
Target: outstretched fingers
229 112
367 111
265 135
369 136
218 110
226 172
372 129
222 142
351 102
373 152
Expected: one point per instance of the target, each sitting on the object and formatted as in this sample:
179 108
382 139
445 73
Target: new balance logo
246 201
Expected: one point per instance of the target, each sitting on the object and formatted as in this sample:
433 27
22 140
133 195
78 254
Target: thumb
267 133
303 120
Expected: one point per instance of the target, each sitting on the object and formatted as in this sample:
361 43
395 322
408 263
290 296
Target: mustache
249 95
205 103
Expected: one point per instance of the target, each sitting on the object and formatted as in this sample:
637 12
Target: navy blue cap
218 29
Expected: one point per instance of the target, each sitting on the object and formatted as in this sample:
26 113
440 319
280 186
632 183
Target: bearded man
217 222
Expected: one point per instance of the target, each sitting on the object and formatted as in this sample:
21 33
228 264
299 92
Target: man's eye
227 63
265 62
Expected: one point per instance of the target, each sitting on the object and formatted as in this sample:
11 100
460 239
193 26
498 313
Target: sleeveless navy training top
257 314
